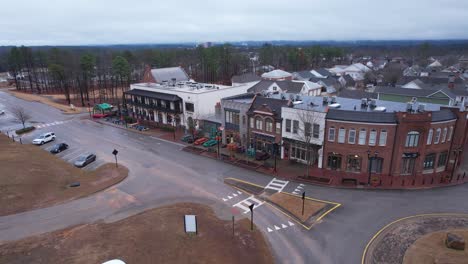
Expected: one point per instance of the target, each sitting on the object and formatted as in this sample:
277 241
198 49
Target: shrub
24 130
129 119
167 128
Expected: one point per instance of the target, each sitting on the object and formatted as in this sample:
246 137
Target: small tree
20 115
307 119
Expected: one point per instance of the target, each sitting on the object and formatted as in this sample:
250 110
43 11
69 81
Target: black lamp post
456 152
251 207
89 109
115 152
369 158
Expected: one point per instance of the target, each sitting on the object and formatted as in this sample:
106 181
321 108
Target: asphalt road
160 174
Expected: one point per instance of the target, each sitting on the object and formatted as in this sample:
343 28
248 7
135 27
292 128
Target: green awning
103 106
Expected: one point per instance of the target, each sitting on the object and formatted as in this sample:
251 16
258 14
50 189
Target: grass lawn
48 101
154 236
431 249
31 178
293 204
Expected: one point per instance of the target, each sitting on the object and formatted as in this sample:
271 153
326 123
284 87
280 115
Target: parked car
262 156
210 143
57 148
84 160
200 141
44 138
186 138
141 128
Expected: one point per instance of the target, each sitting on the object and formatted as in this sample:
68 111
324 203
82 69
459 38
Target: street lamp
369 158
115 155
174 125
251 207
456 152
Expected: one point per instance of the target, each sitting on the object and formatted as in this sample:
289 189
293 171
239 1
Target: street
161 173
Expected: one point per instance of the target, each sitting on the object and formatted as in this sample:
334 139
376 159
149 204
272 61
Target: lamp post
369 158
251 207
456 152
89 109
115 155
174 125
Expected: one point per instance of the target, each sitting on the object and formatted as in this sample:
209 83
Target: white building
176 104
286 86
303 124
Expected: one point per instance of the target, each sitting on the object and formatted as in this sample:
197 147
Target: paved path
160 174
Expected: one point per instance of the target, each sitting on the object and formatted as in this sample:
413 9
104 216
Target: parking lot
74 150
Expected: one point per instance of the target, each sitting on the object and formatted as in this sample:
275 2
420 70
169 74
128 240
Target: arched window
437 136
444 135
383 137
269 125
258 123
412 139
331 134
450 133
341 135
362 136
372 137
429 136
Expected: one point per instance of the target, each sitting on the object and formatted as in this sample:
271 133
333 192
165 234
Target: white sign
190 222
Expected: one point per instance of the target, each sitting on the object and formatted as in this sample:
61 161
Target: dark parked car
84 160
57 148
262 156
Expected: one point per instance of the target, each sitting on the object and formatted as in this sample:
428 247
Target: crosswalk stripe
284 226
235 195
277 228
269 230
277 185
239 192
224 200
229 197
299 187
290 224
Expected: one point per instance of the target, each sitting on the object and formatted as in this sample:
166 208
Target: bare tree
310 124
20 115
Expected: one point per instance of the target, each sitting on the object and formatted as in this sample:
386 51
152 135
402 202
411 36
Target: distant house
347 81
302 75
165 75
414 70
277 75
330 85
246 78
442 95
296 87
321 73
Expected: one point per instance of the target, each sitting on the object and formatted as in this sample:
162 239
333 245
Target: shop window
354 163
429 161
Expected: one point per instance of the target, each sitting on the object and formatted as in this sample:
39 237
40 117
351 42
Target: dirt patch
33 178
431 249
293 205
155 236
48 100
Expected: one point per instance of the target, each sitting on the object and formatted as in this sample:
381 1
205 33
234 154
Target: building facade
235 119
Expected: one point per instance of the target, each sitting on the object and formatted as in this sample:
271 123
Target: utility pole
115 155
303 202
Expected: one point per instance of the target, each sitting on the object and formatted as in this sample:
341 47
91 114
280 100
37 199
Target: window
429 136
258 123
383 137
444 135
278 127
243 120
189 107
307 130
295 126
288 125
412 139
429 161
450 133
442 159
163 104
372 137
353 163
362 137
252 122
316 131
331 134
437 136
275 88
334 161
269 125
341 135
352 136
376 164
407 165
299 152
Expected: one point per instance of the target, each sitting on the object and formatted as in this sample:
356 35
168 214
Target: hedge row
24 130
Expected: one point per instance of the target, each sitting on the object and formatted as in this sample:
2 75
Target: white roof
435 64
276 74
166 74
357 67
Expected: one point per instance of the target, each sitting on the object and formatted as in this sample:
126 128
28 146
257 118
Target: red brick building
395 148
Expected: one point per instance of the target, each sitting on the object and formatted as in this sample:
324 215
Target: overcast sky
72 22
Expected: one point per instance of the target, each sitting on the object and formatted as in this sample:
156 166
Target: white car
44 138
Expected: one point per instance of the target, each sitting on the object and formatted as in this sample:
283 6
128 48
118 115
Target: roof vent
364 102
409 106
421 107
380 109
325 100
333 99
335 105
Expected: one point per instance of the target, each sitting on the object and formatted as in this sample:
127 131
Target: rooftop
182 87
276 74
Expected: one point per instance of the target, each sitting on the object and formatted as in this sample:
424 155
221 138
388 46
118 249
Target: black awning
154 95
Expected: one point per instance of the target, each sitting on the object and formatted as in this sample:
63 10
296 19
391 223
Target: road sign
114 152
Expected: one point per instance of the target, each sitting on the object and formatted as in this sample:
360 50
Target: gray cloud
69 22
